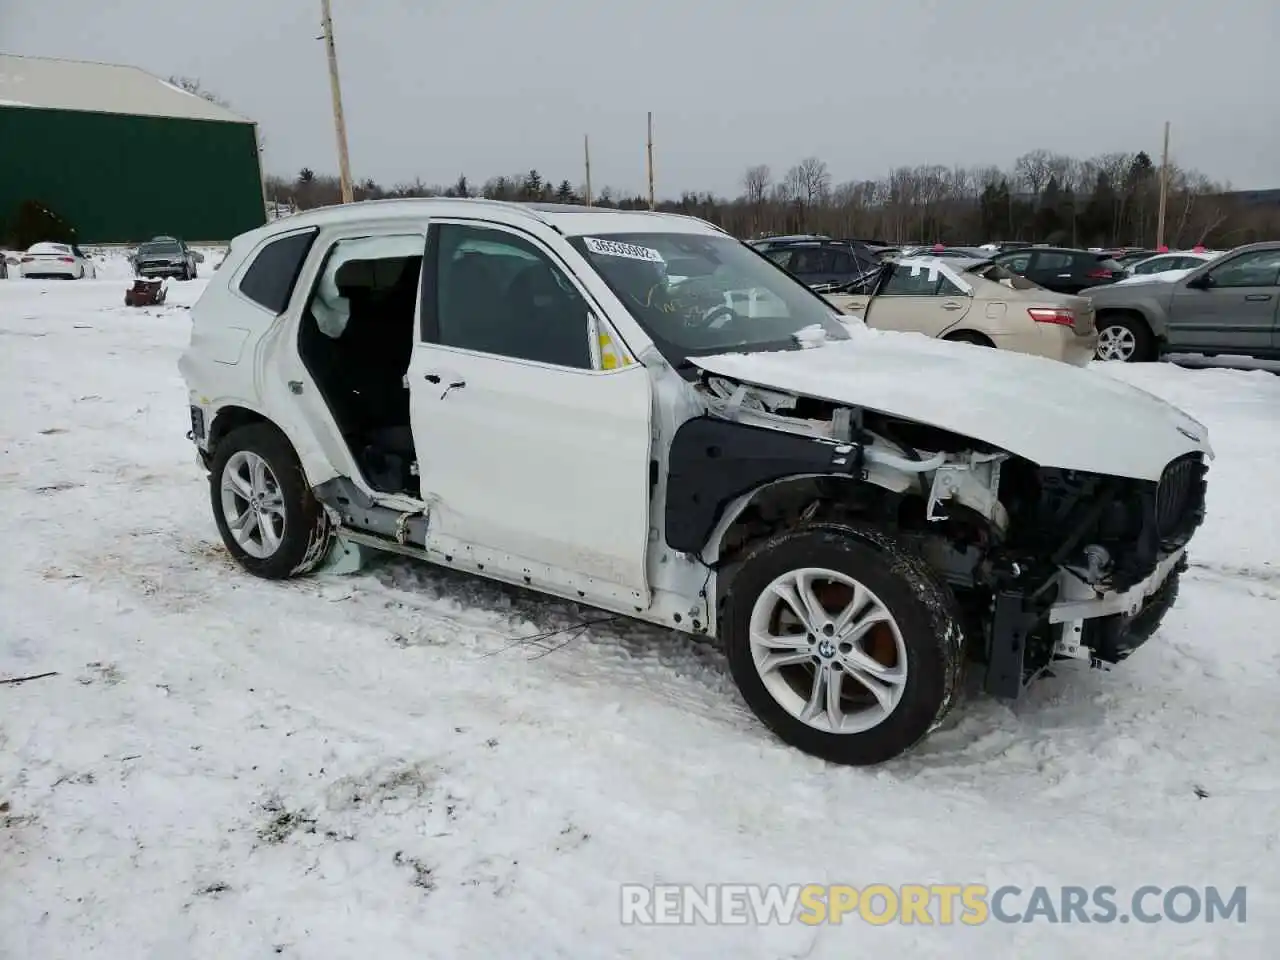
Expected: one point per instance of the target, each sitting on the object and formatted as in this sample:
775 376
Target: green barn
122 156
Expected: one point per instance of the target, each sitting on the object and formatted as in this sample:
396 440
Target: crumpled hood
1051 413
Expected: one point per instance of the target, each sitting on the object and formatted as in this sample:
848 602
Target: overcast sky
434 88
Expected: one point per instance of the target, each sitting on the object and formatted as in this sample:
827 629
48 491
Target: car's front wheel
843 642
1125 338
263 506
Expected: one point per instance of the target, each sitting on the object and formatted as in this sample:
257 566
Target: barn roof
50 84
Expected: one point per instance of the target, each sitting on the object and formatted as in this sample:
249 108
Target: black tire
968 336
1145 348
922 605
307 530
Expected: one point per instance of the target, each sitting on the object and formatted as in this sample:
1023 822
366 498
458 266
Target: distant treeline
1108 200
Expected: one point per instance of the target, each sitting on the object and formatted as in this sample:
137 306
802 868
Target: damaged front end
1090 568
1045 563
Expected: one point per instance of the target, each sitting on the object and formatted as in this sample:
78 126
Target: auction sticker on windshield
613 248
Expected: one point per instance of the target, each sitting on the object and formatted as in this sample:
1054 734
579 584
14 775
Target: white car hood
1051 413
1164 276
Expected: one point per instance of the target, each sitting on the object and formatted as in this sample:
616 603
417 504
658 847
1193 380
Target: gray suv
166 257
1229 305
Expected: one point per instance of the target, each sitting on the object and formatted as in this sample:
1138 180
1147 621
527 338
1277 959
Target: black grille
1180 495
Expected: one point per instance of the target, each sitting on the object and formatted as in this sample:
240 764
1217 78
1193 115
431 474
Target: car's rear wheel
969 336
1125 338
843 642
263 506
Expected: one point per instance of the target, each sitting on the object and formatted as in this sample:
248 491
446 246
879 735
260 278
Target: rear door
1054 270
916 299
1238 310
533 452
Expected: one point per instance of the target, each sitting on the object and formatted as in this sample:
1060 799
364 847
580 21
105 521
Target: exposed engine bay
1046 563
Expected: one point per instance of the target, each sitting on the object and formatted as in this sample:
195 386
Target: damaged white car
638 412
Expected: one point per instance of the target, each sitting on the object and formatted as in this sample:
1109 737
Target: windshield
696 295
159 250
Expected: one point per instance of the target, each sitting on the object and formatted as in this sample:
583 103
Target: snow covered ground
380 766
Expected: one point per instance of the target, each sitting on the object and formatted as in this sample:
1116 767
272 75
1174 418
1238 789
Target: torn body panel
1050 562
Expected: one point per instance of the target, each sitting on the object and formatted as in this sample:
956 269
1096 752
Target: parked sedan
1175 260
1062 269
56 261
977 302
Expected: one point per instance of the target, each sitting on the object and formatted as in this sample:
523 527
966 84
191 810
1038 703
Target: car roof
568 219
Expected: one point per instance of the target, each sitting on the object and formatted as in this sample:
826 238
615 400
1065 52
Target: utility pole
339 124
1164 189
586 154
650 159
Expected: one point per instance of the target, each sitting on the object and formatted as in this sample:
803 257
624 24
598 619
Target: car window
999 273
697 294
842 262
497 293
811 260
270 279
1261 268
913 281
369 278
1158 265
1018 263
1052 260
782 258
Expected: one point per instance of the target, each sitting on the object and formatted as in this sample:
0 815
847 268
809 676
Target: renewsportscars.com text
927 904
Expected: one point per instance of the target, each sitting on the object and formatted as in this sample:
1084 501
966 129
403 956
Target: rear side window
270 279
782 258
1054 261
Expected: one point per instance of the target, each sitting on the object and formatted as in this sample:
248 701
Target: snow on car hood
1051 413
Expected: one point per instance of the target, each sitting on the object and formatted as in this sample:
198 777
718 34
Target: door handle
455 382
1064 276
1258 297
952 305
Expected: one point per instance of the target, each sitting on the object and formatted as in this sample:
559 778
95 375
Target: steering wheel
708 318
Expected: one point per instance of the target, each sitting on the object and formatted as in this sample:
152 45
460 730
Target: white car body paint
1050 413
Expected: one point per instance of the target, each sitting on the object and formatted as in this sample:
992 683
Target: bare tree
193 85
755 183
813 180
1034 169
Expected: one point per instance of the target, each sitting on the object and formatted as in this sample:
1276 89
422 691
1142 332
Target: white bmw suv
641 413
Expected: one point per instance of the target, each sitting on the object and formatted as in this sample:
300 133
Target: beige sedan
975 301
